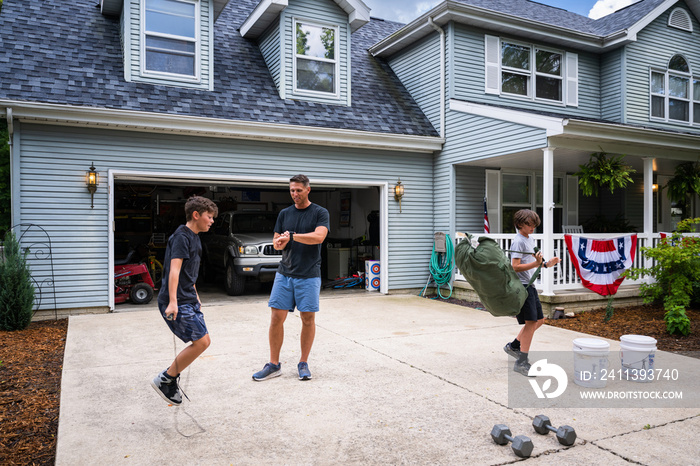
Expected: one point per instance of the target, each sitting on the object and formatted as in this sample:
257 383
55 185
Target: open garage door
146 208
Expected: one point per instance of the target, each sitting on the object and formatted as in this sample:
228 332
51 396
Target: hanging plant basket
603 171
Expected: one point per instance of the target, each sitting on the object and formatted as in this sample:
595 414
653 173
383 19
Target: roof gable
536 21
267 11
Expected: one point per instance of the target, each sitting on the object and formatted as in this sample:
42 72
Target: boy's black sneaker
167 387
511 351
522 367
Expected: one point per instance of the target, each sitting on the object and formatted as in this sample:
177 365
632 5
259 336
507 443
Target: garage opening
237 253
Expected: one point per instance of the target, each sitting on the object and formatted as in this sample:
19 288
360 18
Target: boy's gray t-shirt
523 244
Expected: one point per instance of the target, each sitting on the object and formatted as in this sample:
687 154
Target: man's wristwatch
544 264
291 236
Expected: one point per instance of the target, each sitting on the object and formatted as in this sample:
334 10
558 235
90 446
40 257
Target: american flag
487 229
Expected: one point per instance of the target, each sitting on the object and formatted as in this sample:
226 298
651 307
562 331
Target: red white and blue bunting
601 262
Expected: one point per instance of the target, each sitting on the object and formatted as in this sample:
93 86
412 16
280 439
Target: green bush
676 271
16 288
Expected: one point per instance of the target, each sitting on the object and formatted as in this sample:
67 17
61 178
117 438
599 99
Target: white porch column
548 218
648 205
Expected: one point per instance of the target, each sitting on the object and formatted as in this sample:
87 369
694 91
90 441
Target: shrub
16 288
676 271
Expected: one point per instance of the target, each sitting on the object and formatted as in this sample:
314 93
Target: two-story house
473 100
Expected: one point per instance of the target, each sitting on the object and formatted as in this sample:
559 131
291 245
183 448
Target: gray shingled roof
618 21
66 52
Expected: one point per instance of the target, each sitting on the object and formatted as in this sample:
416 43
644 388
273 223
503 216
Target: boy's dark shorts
189 324
532 309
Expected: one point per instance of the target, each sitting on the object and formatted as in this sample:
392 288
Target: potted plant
683 185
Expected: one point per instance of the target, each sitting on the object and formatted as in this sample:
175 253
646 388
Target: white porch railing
564 274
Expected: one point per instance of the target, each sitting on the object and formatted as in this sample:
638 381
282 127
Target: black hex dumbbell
522 445
565 434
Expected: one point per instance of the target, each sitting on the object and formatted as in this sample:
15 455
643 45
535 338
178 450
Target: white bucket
590 359
637 357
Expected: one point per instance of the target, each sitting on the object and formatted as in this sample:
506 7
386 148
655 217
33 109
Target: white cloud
403 11
605 7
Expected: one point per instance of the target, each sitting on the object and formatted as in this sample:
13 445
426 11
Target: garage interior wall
53 160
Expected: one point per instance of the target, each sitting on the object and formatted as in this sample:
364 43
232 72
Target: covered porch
545 180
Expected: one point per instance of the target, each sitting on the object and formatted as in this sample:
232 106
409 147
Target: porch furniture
572 229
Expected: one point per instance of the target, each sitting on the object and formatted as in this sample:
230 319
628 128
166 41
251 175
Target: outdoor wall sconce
92 179
398 192
654 187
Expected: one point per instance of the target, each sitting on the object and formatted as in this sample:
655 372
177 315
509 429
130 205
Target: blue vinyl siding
612 85
469 199
270 47
468 77
471 138
133 59
58 200
418 68
646 53
326 12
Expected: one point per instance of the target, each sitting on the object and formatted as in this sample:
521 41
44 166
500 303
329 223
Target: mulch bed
646 320
31 361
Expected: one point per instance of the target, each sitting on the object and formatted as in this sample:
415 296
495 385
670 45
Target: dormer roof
267 11
114 7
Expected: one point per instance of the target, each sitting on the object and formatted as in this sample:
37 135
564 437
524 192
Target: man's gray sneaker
522 368
167 387
511 351
304 372
269 371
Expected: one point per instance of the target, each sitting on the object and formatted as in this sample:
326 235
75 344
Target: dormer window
316 65
170 38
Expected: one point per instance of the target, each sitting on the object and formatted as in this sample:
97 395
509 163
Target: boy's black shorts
532 309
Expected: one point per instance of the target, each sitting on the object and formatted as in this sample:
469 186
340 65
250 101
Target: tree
16 288
4 179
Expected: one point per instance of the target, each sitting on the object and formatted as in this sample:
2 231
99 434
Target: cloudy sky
405 11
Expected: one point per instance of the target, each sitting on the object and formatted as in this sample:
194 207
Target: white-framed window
170 38
516 69
674 93
524 191
316 62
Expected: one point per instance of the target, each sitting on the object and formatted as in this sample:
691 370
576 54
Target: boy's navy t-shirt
301 260
183 244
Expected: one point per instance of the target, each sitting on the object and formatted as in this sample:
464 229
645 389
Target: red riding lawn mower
132 281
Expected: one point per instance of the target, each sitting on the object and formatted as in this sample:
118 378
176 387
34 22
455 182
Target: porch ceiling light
92 179
398 192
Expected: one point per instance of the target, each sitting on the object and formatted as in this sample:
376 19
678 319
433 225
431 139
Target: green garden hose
441 268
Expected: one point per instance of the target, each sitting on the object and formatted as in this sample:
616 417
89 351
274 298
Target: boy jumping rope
523 262
178 299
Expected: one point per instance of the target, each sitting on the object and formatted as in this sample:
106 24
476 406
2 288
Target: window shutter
571 200
493 64
493 199
572 79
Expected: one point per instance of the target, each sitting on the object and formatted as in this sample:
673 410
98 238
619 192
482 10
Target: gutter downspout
442 75
10 133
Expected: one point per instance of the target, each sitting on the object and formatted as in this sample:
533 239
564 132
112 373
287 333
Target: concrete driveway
397 379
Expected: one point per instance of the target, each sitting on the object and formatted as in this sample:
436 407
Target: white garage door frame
195 178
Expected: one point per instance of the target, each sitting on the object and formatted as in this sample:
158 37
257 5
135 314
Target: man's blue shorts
532 309
302 293
189 324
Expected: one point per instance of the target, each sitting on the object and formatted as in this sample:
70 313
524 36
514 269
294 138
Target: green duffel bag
489 272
